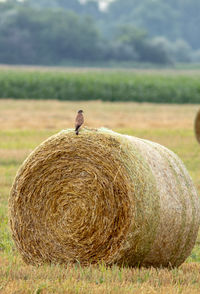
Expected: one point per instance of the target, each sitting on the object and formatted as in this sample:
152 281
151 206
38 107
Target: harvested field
25 124
102 196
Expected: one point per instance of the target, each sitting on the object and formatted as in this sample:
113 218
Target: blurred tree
89 8
178 19
56 31
32 36
145 48
67 4
190 21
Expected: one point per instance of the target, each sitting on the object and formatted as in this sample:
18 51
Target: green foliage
145 48
57 32
172 19
52 36
106 86
29 36
88 8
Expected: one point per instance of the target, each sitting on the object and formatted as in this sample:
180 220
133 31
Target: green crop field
106 85
26 123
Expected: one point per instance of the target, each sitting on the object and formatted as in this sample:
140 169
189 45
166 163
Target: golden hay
102 196
197 126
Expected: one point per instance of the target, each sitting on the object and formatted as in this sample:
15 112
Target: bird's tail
77 130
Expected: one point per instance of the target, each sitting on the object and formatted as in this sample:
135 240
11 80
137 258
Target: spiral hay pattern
102 196
197 126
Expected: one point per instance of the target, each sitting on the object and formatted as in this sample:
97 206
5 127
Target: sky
102 3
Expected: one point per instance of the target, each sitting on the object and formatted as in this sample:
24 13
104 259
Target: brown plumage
79 121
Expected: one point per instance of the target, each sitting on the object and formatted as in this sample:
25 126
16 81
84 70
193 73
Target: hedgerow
102 85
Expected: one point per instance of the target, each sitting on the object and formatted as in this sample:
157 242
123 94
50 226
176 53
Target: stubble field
25 124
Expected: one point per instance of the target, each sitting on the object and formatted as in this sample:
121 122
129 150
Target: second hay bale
103 196
197 126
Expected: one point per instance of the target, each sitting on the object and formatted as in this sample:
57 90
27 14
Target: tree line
57 32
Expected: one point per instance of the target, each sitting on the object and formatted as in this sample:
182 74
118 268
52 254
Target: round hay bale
197 126
102 196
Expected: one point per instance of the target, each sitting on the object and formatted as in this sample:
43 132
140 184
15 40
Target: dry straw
102 196
197 126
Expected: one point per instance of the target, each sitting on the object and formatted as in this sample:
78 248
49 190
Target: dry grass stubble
170 125
50 114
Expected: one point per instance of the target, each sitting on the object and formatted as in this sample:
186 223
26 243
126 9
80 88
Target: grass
24 124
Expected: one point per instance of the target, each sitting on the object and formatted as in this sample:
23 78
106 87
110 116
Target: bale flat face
103 196
197 126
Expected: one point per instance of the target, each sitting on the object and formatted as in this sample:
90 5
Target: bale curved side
179 206
197 126
103 196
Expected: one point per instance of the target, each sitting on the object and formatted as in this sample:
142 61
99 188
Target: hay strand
197 126
103 196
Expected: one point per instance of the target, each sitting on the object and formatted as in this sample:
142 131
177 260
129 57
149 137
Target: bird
79 121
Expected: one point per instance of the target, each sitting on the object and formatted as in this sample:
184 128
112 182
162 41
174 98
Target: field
26 123
108 85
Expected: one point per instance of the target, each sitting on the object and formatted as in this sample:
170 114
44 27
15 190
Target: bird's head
80 111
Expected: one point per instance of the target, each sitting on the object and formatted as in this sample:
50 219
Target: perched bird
79 121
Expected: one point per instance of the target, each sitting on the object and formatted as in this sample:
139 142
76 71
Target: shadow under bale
102 196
